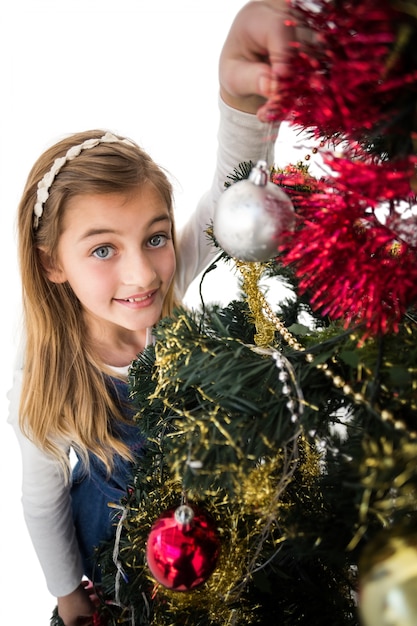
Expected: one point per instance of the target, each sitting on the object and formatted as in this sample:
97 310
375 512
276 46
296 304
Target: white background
142 69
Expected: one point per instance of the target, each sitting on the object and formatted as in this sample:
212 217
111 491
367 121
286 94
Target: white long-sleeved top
45 494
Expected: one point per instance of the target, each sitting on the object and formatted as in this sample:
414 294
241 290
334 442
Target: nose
138 269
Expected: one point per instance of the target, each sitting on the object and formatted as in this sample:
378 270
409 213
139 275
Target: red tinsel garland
347 88
355 267
347 79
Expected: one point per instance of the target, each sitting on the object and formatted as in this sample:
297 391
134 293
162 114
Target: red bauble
183 548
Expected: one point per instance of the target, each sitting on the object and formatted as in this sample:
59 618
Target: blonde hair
65 394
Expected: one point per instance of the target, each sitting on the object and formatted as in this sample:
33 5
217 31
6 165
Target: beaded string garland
266 321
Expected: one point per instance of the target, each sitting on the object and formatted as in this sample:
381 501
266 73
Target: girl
101 264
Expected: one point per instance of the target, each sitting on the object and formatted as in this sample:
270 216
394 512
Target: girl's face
117 254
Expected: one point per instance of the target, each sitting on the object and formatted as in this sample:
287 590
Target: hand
78 607
254 53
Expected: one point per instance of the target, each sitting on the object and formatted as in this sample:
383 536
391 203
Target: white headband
44 185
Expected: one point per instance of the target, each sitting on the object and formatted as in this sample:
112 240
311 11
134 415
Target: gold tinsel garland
251 275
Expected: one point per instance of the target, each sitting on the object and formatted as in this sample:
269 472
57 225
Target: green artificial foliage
205 394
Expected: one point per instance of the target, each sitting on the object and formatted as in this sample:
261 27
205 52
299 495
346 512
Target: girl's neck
119 357
118 349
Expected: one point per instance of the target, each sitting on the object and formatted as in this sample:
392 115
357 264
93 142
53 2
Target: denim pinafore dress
93 490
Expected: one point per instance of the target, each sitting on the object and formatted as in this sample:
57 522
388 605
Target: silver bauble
251 217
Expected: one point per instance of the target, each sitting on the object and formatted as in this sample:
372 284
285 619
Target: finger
92 593
254 63
241 78
280 39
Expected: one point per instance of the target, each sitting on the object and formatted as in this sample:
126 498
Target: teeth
136 299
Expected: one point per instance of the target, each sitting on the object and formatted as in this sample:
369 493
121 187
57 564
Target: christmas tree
279 484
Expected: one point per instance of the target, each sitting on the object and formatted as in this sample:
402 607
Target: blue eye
103 252
157 241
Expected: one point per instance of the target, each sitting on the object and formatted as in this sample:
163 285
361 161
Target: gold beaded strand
336 379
